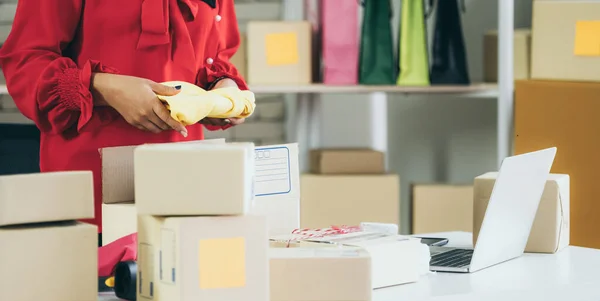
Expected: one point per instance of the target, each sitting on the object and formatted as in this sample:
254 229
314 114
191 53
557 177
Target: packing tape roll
125 280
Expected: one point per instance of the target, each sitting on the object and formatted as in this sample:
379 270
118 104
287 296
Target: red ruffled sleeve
229 41
47 87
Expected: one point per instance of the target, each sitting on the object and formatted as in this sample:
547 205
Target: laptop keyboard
454 258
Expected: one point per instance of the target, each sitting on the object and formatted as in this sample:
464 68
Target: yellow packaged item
193 103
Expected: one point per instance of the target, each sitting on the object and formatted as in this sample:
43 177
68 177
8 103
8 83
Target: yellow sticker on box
281 48
222 263
587 38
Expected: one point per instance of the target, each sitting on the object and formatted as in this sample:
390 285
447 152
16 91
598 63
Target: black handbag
449 56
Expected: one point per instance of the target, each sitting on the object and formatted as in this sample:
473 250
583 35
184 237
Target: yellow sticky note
222 263
587 38
282 48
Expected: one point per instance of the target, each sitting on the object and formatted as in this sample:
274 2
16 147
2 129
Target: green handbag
376 61
412 57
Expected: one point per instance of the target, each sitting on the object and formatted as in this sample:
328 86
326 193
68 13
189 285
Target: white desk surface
571 274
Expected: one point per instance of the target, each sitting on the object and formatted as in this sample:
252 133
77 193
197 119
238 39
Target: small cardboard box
442 208
277 187
522 54
118 220
219 258
395 259
240 58
51 262
46 197
325 274
328 200
550 230
118 171
279 52
194 179
565 39
347 161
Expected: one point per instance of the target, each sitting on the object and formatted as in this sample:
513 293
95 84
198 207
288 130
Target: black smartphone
434 241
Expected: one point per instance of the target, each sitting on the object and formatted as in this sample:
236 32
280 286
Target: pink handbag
340 41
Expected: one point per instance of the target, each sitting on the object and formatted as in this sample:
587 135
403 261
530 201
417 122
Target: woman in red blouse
86 72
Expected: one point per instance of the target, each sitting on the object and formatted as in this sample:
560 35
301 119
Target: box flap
117 172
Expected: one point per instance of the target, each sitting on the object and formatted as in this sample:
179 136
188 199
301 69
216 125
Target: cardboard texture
522 55
240 58
441 208
218 258
328 200
566 48
395 259
212 179
276 48
118 220
347 161
50 262
118 171
550 230
329 273
564 114
46 197
277 187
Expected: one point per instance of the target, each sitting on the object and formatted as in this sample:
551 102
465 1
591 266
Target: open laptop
508 219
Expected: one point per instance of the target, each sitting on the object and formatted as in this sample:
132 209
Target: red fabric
55 46
122 249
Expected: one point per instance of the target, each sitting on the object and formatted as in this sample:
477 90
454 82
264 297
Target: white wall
432 138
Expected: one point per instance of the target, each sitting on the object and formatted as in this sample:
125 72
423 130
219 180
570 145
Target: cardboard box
277 187
442 208
564 114
118 220
347 161
240 58
395 259
46 197
118 172
329 273
220 258
550 230
328 200
565 39
277 48
50 262
194 179
521 51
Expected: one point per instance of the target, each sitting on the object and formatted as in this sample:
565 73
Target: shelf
3 90
483 90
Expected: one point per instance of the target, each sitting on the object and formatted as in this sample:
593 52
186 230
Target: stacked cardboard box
45 253
557 107
347 187
441 208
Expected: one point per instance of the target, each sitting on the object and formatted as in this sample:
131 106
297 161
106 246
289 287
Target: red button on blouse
55 46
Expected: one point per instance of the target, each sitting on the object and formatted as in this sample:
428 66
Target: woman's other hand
226 82
135 99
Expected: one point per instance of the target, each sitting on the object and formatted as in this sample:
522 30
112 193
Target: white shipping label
272 171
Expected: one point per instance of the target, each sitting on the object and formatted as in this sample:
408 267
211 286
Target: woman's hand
135 99
226 82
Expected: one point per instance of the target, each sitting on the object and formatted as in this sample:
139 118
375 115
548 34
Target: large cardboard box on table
565 115
521 51
565 39
279 52
118 220
328 200
550 230
46 197
218 258
320 274
194 179
347 161
442 208
51 262
118 171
